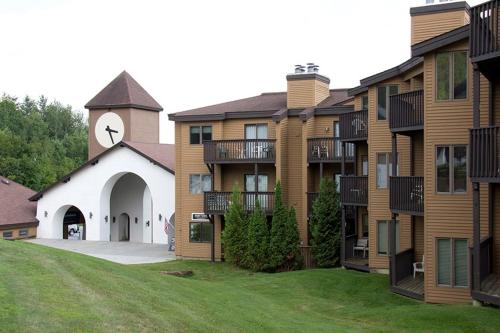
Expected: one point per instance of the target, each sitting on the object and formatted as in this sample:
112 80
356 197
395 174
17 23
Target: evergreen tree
293 260
234 237
325 225
258 240
278 247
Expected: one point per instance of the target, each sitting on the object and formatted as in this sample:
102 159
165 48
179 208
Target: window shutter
444 261
460 262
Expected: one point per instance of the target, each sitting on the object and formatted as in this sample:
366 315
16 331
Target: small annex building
17 214
126 189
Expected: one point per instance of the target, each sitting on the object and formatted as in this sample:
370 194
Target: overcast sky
188 53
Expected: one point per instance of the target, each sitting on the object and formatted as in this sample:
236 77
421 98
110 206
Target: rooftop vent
5 181
312 68
299 69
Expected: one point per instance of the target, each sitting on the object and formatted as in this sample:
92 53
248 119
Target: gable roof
124 92
162 155
263 105
16 210
440 41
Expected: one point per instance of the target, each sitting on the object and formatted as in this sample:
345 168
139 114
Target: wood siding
430 25
306 93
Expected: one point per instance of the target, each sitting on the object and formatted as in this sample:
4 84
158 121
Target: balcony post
476 237
256 168
212 219
342 157
320 171
476 96
342 243
392 250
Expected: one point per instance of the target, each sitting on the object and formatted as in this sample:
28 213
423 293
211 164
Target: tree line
40 142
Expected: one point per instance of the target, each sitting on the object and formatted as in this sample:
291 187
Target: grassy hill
48 290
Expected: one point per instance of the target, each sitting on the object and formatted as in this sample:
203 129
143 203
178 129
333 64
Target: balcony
328 150
484 156
354 190
407 111
404 283
484 32
354 126
407 195
217 203
239 151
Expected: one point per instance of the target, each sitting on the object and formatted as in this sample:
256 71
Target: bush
325 225
234 237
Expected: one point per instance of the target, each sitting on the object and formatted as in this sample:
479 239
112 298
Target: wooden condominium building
415 149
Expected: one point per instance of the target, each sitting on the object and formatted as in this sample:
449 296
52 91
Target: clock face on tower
109 129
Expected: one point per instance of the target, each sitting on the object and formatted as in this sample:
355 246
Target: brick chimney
306 87
436 18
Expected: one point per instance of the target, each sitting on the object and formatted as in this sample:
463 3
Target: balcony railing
217 203
311 196
328 149
484 157
407 111
484 31
407 195
354 190
354 126
239 151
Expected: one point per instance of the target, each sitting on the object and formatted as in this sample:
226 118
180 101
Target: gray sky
191 53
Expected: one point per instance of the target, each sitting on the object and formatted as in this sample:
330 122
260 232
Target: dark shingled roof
264 102
15 209
162 155
124 92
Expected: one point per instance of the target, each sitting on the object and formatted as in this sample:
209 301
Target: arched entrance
130 205
73 226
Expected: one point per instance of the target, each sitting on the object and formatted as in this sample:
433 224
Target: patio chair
361 245
324 152
315 152
418 267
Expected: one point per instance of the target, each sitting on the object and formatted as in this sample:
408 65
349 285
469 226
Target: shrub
234 237
258 240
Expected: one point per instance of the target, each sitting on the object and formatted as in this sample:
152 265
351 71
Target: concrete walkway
119 252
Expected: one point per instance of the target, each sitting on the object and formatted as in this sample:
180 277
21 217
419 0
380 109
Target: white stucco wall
90 191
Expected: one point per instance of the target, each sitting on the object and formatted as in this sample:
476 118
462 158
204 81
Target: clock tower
122 111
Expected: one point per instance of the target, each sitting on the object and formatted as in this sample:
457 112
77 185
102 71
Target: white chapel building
126 190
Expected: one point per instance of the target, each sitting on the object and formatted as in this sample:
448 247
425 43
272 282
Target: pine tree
258 240
234 237
278 248
325 225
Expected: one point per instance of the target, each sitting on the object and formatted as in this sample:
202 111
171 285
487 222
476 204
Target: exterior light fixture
90 215
106 218
147 223
159 217
136 220
46 214
114 219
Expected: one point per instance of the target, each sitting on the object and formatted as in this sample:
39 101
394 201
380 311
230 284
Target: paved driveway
120 252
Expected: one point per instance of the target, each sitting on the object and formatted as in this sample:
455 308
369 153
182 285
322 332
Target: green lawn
43 289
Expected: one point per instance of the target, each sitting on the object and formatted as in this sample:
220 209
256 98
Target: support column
476 264
342 164
392 223
476 96
343 235
256 172
320 171
212 218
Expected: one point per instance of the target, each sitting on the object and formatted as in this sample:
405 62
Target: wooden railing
407 111
354 126
328 149
484 32
484 156
486 257
406 195
311 196
217 203
239 151
354 190
404 264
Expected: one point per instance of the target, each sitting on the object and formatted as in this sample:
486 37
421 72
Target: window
200 183
200 232
452 262
198 134
384 169
451 169
364 225
364 163
23 233
451 75
7 234
256 131
383 94
364 102
250 183
383 237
